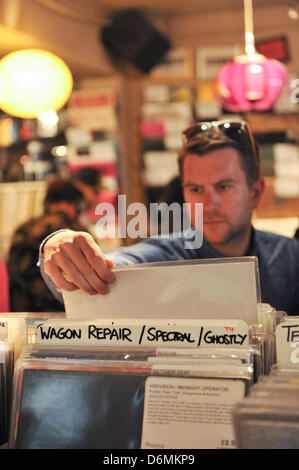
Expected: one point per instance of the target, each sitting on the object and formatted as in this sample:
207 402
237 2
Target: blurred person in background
88 180
63 205
63 196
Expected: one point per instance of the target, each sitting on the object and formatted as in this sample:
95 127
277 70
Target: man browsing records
220 168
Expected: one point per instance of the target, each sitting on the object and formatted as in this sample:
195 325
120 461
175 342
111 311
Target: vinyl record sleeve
283 394
262 423
6 378
87 353
285 369
266 341
216 357
189 413
245 355
85 404
288 379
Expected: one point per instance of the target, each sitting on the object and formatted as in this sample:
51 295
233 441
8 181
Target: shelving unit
130 99
271 206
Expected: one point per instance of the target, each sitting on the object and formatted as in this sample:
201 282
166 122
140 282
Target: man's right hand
74 261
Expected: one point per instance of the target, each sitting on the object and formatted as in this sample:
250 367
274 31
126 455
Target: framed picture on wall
177 63
274 48
210 59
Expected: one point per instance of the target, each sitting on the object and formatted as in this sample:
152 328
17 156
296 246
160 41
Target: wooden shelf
268 122
275 206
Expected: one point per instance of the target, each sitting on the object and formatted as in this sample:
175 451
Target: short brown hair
215 139
62 190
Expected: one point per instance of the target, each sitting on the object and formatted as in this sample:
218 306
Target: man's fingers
76 266
95 258
72 274
74 260
55 273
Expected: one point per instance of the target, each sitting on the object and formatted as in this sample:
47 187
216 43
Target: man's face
218 181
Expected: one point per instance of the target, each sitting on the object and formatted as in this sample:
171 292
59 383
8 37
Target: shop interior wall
227 28
78 43
217 29
27 23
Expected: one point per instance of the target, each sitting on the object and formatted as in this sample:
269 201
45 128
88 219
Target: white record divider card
144 332
214 288
287 341
189 413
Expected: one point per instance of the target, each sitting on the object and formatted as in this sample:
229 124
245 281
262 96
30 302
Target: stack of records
263 334
13 337
13 327
6 377
139 383
269 417
70 393
94 403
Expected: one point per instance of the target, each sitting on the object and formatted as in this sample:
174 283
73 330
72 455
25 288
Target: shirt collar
211 252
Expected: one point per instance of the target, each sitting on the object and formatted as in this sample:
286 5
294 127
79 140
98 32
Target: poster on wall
274 48
210 59
206 104
92 110
92 142
177 63
92 126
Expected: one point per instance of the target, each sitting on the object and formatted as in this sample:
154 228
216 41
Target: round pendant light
251 81
33 81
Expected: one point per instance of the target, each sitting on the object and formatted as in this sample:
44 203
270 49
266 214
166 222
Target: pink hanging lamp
251 81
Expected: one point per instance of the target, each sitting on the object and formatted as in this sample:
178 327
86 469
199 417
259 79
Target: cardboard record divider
214 288
16 330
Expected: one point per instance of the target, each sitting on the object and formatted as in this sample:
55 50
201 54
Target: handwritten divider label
3 330
287 342
151 333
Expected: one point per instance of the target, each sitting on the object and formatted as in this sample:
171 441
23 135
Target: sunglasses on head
235 130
